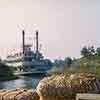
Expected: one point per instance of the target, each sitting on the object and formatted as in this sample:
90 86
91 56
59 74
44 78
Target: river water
22 82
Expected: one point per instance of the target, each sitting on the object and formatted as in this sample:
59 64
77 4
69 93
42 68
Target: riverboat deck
29 73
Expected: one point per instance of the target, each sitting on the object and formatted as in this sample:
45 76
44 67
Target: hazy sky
65 26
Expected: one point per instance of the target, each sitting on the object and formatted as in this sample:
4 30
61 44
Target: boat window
28 59
28 54
25 54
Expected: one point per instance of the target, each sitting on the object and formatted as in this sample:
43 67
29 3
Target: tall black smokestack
37 43
23 39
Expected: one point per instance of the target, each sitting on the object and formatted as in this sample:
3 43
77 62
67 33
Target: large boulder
66 86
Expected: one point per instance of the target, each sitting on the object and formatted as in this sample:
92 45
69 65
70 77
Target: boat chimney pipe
37 43
23 39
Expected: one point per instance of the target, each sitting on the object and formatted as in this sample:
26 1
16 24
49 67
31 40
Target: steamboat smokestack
23 39
37 43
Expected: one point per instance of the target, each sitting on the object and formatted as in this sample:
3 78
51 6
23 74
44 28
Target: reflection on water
23 82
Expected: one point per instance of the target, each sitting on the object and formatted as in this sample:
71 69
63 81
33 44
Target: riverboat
28 60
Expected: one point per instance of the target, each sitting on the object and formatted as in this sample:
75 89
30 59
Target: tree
48 62
58 62
68 61
91 52
98 51
6 72
88 52
84 52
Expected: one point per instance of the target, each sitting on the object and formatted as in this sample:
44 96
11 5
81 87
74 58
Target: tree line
90 52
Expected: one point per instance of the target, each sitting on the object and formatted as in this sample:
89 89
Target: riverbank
9 78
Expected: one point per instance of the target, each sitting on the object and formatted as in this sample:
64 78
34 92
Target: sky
65 26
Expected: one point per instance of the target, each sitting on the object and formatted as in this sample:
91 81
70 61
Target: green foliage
80 66
84 51
60 62
55 70
68 61
97 55
89 62
88 52
61 66
6 72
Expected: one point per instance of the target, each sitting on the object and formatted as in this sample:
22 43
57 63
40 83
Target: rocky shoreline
19 94
56 87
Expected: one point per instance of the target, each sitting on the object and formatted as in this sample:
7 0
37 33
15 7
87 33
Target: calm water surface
22 82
